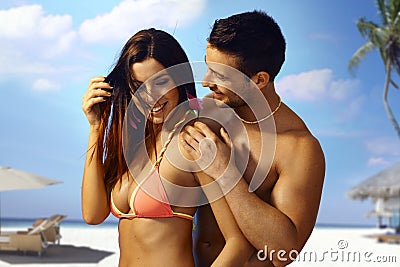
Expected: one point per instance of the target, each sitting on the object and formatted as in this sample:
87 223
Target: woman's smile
158 108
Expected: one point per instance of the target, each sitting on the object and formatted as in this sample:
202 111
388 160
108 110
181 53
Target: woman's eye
161 82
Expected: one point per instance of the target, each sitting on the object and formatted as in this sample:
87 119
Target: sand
79 246
98 246
348 247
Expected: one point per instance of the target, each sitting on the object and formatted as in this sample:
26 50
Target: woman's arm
237 249
95 208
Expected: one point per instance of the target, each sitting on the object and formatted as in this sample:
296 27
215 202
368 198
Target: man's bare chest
255 159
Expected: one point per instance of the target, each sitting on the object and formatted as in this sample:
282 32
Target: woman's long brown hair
145 44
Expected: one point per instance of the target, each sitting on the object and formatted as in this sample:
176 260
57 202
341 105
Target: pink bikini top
152 202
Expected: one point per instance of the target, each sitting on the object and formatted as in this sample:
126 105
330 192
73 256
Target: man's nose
207 79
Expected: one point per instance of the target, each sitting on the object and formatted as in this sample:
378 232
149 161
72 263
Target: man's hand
212 155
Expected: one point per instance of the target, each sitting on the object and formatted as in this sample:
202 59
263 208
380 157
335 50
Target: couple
142 166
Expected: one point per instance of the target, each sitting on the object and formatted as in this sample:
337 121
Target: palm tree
385 38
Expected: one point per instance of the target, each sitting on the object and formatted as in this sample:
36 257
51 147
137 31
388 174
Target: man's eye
219 76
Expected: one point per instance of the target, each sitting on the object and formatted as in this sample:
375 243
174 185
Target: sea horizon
10 222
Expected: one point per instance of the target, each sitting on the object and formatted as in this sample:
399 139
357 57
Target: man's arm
286 223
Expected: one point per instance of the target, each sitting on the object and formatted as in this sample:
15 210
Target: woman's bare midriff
155 242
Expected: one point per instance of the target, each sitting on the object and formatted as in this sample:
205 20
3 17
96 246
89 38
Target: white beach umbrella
12 179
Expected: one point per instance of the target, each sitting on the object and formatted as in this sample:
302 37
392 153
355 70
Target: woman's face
158 90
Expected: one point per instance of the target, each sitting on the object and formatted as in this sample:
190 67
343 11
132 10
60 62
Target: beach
81 245
84 245
337 246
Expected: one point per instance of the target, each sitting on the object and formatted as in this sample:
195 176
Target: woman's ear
261 79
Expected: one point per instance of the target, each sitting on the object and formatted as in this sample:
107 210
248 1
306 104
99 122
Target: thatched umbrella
385 184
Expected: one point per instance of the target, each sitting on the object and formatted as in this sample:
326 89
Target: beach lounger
54 236
33 240
52 233
389 238
57 218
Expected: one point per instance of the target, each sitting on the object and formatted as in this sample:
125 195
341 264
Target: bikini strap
169 139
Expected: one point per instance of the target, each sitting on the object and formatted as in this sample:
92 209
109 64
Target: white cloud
31 23
378 161
384 146
316 85
19 22
31 39
34 42
62 44
16 62
131 15
45 85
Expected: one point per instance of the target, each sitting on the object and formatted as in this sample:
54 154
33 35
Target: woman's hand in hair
98 92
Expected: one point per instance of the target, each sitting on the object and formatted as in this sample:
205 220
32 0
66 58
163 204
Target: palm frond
366 27
396 22
394 9
372 32
395 85
394 54
380 36
360 54
382 10
385 37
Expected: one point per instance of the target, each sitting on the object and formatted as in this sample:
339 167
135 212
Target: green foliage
385 36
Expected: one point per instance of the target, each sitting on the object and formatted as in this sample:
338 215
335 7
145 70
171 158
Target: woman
118 178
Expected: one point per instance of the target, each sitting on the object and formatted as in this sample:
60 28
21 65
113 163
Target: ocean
27 222
22 223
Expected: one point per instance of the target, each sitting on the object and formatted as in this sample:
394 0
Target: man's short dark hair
254 39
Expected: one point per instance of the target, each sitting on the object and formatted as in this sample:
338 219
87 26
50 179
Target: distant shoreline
339 225
11 222
27 222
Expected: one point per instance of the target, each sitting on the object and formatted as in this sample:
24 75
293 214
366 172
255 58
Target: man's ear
261 79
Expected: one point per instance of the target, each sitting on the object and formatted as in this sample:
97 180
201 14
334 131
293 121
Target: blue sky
50 50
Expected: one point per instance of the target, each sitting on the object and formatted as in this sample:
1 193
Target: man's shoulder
294 131
298 135
299 154
301 143
298 139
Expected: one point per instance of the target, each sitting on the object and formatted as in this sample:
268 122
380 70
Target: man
276 213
